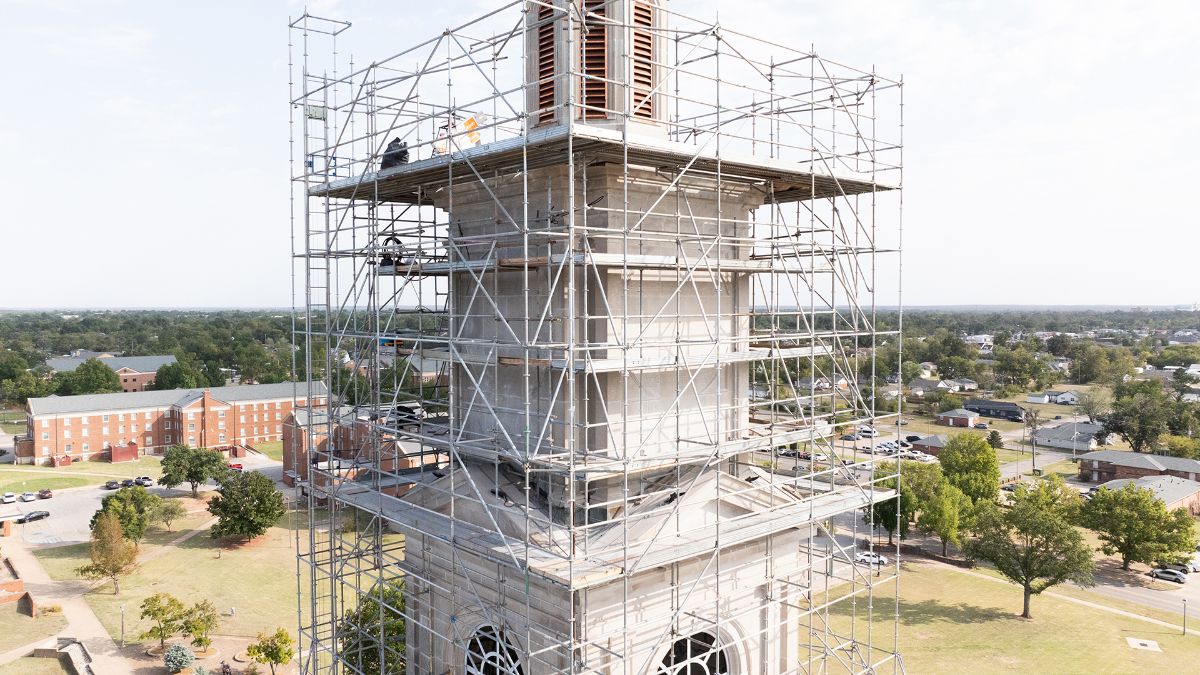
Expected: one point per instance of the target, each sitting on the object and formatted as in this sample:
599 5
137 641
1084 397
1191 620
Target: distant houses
1078 437
1037 397
137 373
1105 465
959 417
999 409
1173 492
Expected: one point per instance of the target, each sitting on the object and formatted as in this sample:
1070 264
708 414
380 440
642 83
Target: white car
867 432
819 457
28 497
870 558
8 498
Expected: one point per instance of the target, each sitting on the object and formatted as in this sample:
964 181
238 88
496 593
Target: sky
1050 147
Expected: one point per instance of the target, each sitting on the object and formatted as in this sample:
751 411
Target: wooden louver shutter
545 63
594 84
643 60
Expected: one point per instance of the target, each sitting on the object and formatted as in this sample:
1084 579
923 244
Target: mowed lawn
21 629
274 449
14 478
954 622
29 665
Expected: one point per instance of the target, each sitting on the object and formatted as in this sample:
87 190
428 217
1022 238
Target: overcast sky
1051 147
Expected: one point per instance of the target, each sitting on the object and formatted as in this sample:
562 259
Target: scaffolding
593 287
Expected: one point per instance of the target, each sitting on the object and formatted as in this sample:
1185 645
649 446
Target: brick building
1106 465
1173 492
61 429
959 417
136 372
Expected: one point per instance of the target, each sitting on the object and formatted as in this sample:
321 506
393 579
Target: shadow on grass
73 552
1108 571
935 611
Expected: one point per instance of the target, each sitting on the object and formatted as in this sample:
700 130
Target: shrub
177 657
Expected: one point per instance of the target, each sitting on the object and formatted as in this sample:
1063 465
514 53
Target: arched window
697 654
489 653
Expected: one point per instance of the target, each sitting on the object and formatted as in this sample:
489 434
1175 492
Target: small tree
995 440
892 514
274 650
1033 543
132 507
1134 523
373 634
247 505
167 613
166 512
201 620
946 515
194 466
177 657
970 465
1095 404
113 556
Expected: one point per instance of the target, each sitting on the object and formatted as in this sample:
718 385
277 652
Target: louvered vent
545 63
594 85
643 60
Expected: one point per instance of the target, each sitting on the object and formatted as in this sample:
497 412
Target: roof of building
1143 461
56 405
1069 431
926 383
983 402
1169 489
959 412
965 380
936 441
1055 393
141 364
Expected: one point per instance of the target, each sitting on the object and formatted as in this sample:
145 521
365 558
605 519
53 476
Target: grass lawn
953 622
14 478
28 665
20 629
13 428
274 450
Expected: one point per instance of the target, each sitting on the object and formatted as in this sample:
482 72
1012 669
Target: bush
51 609
177 657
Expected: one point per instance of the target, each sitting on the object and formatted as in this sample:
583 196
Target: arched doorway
489 653
696 654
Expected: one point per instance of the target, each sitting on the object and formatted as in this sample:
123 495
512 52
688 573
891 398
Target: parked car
128 482
904 444
28 497
1181 568
144 481
867 432
8 498
850 437
45 494
912 439
818 457
981 425
901 421
870 558
32 516
112 485
1011 487
236 468
1193 565
1058 417
1169 575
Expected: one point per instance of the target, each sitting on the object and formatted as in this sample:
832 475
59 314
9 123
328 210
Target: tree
167 614
1182 446
247 505
1033 543
89 377
178 375
199 622
178 657
379 614
24 387
195 466
970 465
1095 404
132 506
1134 523
995 440
274 650
946 515
893 514
166 512
1140 419
113 556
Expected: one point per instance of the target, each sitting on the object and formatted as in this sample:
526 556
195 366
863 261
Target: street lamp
122 625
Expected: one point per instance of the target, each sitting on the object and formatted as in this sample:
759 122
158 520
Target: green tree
24 387
379 614
177 657
893 515
274 650
946 515
178 375
199 622
995 440
1095 404
11 365
1033 543
113 556
1133 523
1140 418
166 512
949 402
89 377
132 507
195 466
166 613
970 465
247 505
